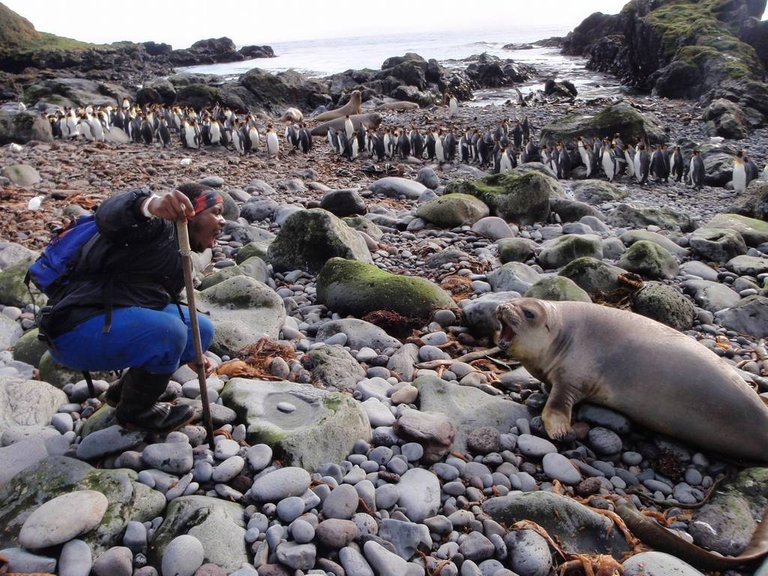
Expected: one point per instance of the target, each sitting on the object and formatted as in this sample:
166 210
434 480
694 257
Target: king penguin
273 143
608 160
584 155
697 170
453 106
676 162
739 173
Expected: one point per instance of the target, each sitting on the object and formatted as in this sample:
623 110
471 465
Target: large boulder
519 196
452 210
564 249
635 216
597 191
593 276
309 238
243 310
619 118
754 232
753 203
748 316
557 288
128 499
216 523
28 403
22 127
665 304
649 259
467 408
717 244
305 426
513 276
725 118
357 288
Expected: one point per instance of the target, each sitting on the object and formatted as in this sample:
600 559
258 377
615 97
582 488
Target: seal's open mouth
508 320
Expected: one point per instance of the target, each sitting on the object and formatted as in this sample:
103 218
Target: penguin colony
497 148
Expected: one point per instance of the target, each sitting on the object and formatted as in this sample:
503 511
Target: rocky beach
365 422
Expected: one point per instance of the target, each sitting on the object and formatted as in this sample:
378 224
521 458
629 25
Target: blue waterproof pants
157 340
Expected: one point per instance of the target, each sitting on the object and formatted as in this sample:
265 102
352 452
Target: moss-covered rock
717 244
243 310
665 304
29 348
13 291
322 428
560 251
641 216
557 288
453 210
309 238
649 259
197 96
128 499
597 192
631 236
335 368
254 267
593 276
754 232
216 523
619 118
754 202
517 196
516 249
357 288
258 248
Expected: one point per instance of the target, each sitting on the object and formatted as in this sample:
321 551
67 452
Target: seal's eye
528 314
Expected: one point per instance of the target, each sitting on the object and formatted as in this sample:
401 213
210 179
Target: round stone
63 518
183 556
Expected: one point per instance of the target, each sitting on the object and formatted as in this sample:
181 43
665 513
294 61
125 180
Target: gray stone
183 556
21 561
754 232
117 561
657 564
494 228
171 457
309 238
576 527
467 408
631 236
296 556
406 537
395 187
27 402
560 251
343 203
476 547
717 244
19 456
323 428
75 559
243 311
711 296
10 332
336 533
107 441
665 304
513 277
528 553
749 316
535 446
354 563
359 334
281 483
452 210
259 457
333 367
419 494
748 265
63 518
649 259
637 216
593 276
21 174
516 249
558 467
700 269
433 431
557 288
383 561
341 502
217 524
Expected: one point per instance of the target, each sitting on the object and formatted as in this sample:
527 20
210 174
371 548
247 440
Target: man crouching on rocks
120 307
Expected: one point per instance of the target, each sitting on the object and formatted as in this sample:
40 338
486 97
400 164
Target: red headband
207 200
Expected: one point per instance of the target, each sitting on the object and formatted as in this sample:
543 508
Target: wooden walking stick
186 258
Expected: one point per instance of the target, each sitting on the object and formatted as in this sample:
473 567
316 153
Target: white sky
259 22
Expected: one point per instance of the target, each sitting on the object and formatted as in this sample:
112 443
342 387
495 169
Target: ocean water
319 58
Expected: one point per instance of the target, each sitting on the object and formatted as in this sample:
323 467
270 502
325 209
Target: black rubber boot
138 406
115 390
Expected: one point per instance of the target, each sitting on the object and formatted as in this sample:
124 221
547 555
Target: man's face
205 227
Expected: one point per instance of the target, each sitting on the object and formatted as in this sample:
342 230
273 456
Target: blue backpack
52 269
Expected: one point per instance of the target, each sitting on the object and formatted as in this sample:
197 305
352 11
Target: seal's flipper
557 413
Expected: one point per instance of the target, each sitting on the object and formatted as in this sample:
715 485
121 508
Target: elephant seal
350 108
398 106
370 120
657 376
